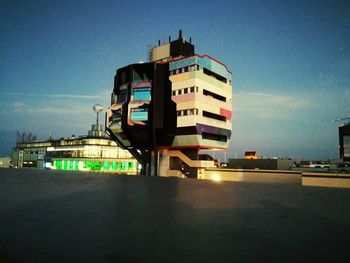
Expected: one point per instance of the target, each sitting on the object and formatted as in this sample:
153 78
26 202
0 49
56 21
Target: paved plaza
52 216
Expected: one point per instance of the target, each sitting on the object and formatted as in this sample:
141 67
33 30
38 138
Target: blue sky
290 62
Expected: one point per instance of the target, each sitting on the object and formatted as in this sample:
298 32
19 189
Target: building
264 164
94 152
167 110
251 155
344 142
5 162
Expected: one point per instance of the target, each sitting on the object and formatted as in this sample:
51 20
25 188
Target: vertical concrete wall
267 176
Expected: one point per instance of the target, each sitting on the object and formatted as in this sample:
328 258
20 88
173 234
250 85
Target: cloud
101 95
18 104
267 105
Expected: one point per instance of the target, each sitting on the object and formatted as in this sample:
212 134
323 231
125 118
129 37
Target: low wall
242 175
278 176
326 180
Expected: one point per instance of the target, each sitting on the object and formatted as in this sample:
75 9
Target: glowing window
142 93
139 114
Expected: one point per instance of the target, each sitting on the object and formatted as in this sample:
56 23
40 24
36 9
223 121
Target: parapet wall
278 176
242 175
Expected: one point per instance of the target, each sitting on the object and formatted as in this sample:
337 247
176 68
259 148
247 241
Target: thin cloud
101 95
267 105
47 110
258 94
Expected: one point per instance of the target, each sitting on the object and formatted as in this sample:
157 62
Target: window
187 112
213 116
179 92
121 95
192 89
215 75
214 137
142 93
185 90
174 92
214 95
139 114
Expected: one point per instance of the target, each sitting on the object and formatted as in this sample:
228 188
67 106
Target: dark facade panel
147 119
344 142
180 47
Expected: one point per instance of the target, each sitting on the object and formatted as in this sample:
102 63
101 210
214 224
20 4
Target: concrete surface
50 216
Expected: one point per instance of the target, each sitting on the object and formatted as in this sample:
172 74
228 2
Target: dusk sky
290 62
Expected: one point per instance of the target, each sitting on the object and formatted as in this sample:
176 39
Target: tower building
167 110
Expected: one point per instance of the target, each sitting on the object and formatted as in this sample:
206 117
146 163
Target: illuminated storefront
84 153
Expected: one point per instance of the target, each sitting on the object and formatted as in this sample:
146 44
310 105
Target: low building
94 152
251 155
5 162
265 164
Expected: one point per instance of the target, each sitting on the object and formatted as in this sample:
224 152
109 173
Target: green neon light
77 165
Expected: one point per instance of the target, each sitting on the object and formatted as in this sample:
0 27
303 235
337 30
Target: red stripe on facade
141 84
183 97
226 113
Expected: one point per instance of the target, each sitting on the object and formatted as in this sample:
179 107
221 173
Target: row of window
185 90
184 69
32 151
187 112
195 89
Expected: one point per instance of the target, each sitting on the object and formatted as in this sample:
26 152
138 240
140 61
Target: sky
290 62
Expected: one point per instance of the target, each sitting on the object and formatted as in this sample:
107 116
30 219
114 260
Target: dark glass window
121 96
214 95
214 137
213 116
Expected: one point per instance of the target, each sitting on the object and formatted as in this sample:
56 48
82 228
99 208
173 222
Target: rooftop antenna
97 108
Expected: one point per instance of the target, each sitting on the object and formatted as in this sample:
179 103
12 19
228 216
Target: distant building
5 162
94 152
264 164
344 142
251 155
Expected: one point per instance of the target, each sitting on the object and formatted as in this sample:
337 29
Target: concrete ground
48 216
